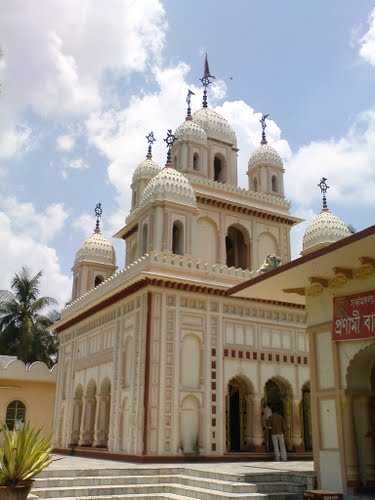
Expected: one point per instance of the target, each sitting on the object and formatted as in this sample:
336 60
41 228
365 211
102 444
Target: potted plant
23 455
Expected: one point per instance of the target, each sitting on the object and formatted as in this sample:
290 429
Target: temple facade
156 359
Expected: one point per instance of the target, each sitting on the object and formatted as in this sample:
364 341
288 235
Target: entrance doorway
238 415
278 396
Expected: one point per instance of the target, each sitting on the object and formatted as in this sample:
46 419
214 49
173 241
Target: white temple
156 359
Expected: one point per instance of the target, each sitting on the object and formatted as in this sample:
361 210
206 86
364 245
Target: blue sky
81 85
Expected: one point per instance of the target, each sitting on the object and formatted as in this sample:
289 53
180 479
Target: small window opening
144 239
178 238
274 184
15 415
219 173
255 182
98 279
196 161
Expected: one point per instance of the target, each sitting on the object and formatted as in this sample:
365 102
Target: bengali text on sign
354 316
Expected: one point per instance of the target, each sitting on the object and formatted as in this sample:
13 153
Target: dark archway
278 396
237 247
196 162
98 279
238 414
274 184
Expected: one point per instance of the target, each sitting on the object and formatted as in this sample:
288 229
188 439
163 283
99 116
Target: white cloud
42 226
14 140
65 142
55 57
367 42
348 163
19 248
85 224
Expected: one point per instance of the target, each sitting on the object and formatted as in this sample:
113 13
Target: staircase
168 482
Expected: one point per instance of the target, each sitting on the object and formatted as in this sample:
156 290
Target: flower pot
18 492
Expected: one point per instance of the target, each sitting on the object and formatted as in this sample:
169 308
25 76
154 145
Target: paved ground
68 462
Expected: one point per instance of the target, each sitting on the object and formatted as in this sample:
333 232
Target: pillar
297 440
249 413
97 425
350 446
257 425
82 434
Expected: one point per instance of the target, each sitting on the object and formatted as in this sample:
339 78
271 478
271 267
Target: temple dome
324 229
147 169
191 131
96 249
215 126
169 185
265 155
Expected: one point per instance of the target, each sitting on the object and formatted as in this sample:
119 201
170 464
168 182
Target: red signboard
354 316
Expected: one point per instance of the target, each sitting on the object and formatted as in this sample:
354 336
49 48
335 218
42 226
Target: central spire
206 80
264 125
169 140
323 189
98 215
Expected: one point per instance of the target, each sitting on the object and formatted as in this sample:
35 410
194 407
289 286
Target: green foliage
24 329
24 454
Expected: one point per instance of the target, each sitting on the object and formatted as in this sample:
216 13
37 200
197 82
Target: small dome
96 249
324 229
147 169
169 185
191 131
215 125
265 155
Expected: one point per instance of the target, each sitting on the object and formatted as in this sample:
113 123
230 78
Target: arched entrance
278 396
361 394
306 417
237 247
238 415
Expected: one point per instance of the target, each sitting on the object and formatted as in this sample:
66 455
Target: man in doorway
277 426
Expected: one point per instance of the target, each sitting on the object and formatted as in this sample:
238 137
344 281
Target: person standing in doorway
277 426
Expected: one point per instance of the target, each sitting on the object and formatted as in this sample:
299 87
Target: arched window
178 238
255 182
196 165
98 279
274 184
175 162
237 248
219 169
15 416
144 239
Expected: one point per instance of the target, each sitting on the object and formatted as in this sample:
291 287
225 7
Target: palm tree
24 328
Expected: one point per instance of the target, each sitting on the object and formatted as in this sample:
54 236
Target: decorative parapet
220 274
250 196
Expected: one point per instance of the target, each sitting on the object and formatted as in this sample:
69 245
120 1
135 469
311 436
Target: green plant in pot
24 454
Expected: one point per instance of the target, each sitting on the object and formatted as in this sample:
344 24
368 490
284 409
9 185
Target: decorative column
248 428
257 425
297 440
83 425
97 437
350 445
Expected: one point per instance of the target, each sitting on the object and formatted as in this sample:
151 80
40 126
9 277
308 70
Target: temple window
255 182
15 415
178 238
144 239
237 248
274 184
219 169
196 165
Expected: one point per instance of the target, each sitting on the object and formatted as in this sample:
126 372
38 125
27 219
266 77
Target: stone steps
173 482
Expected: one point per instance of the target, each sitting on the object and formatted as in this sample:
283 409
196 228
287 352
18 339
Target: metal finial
169 140
188 102
264 125
206 80
98 215
323 189
150 139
